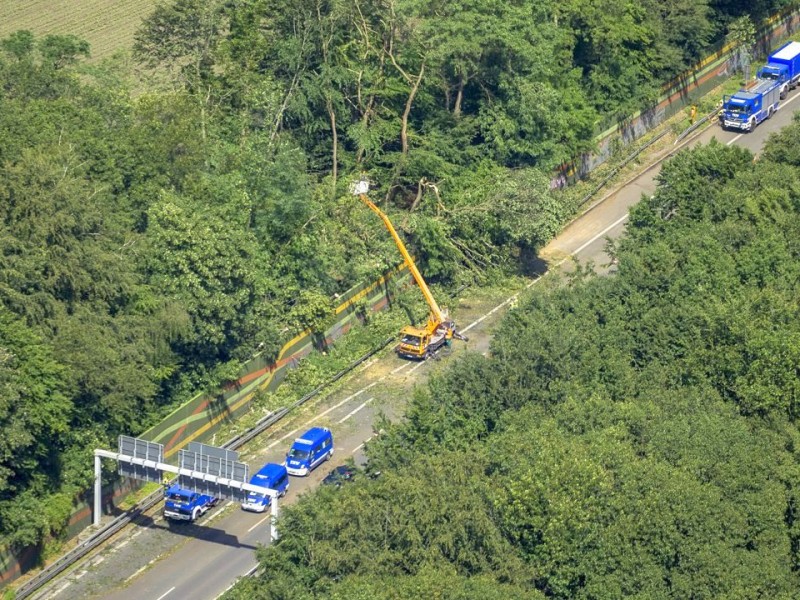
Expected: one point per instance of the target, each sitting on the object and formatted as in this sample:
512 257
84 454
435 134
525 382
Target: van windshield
298 454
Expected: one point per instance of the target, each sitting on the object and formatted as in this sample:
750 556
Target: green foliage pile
151 243
629 436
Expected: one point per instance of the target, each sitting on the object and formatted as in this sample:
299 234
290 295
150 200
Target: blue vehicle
186 505
272 476
747 108
783 67
309 451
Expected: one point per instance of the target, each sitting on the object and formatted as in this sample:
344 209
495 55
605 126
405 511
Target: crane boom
435 310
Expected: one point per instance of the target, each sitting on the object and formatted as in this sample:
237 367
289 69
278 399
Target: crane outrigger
415 342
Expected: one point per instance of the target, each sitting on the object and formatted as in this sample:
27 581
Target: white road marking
558 264
164 595
259 523
322 414
368 364
401 367
361 445
598 236
290 434
356 410
137 533
136 573
123 544
98 560
416 366
729 142
79 575
61 589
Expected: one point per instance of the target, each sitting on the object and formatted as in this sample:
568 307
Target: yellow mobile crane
415 342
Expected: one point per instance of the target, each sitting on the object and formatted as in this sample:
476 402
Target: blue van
272 476
308 451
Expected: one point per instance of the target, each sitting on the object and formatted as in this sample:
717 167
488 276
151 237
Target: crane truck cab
421 343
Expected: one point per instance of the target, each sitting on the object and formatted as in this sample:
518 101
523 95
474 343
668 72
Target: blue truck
186 505
783 67
272 476
747 108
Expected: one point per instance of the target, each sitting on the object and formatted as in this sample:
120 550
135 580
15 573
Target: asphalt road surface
159 561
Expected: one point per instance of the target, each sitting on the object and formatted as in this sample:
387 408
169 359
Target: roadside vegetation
629 436
153 242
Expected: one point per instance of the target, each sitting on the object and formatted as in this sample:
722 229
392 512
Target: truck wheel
195 514
769 112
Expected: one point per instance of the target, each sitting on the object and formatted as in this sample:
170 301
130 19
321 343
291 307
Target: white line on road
401 367
259 523
278 441
416 366
356 410
61 589
123 544
319 416
165 594
729 142
136 573
361 445
322 414
368 364
558 264
622 219
81 574
137 533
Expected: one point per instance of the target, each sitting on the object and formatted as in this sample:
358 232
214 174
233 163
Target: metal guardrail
696 125
686 132
619 167
70 558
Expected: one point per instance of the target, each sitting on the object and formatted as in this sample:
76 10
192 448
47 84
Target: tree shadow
197 531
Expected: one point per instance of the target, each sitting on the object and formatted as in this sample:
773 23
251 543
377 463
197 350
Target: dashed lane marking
401 367
259 523
354 411
322 414
361 445
165 594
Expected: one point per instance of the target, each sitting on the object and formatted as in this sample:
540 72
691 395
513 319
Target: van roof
788 52
270 471
313 436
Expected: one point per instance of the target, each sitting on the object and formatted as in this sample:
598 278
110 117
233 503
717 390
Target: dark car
340 475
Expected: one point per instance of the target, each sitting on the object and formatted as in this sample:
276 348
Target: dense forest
629 436
168 213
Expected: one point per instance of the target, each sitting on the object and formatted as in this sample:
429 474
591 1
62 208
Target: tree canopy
165 215
628 436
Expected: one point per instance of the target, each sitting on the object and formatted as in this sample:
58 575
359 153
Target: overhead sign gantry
203 469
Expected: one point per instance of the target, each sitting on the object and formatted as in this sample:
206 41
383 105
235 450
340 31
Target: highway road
161 562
